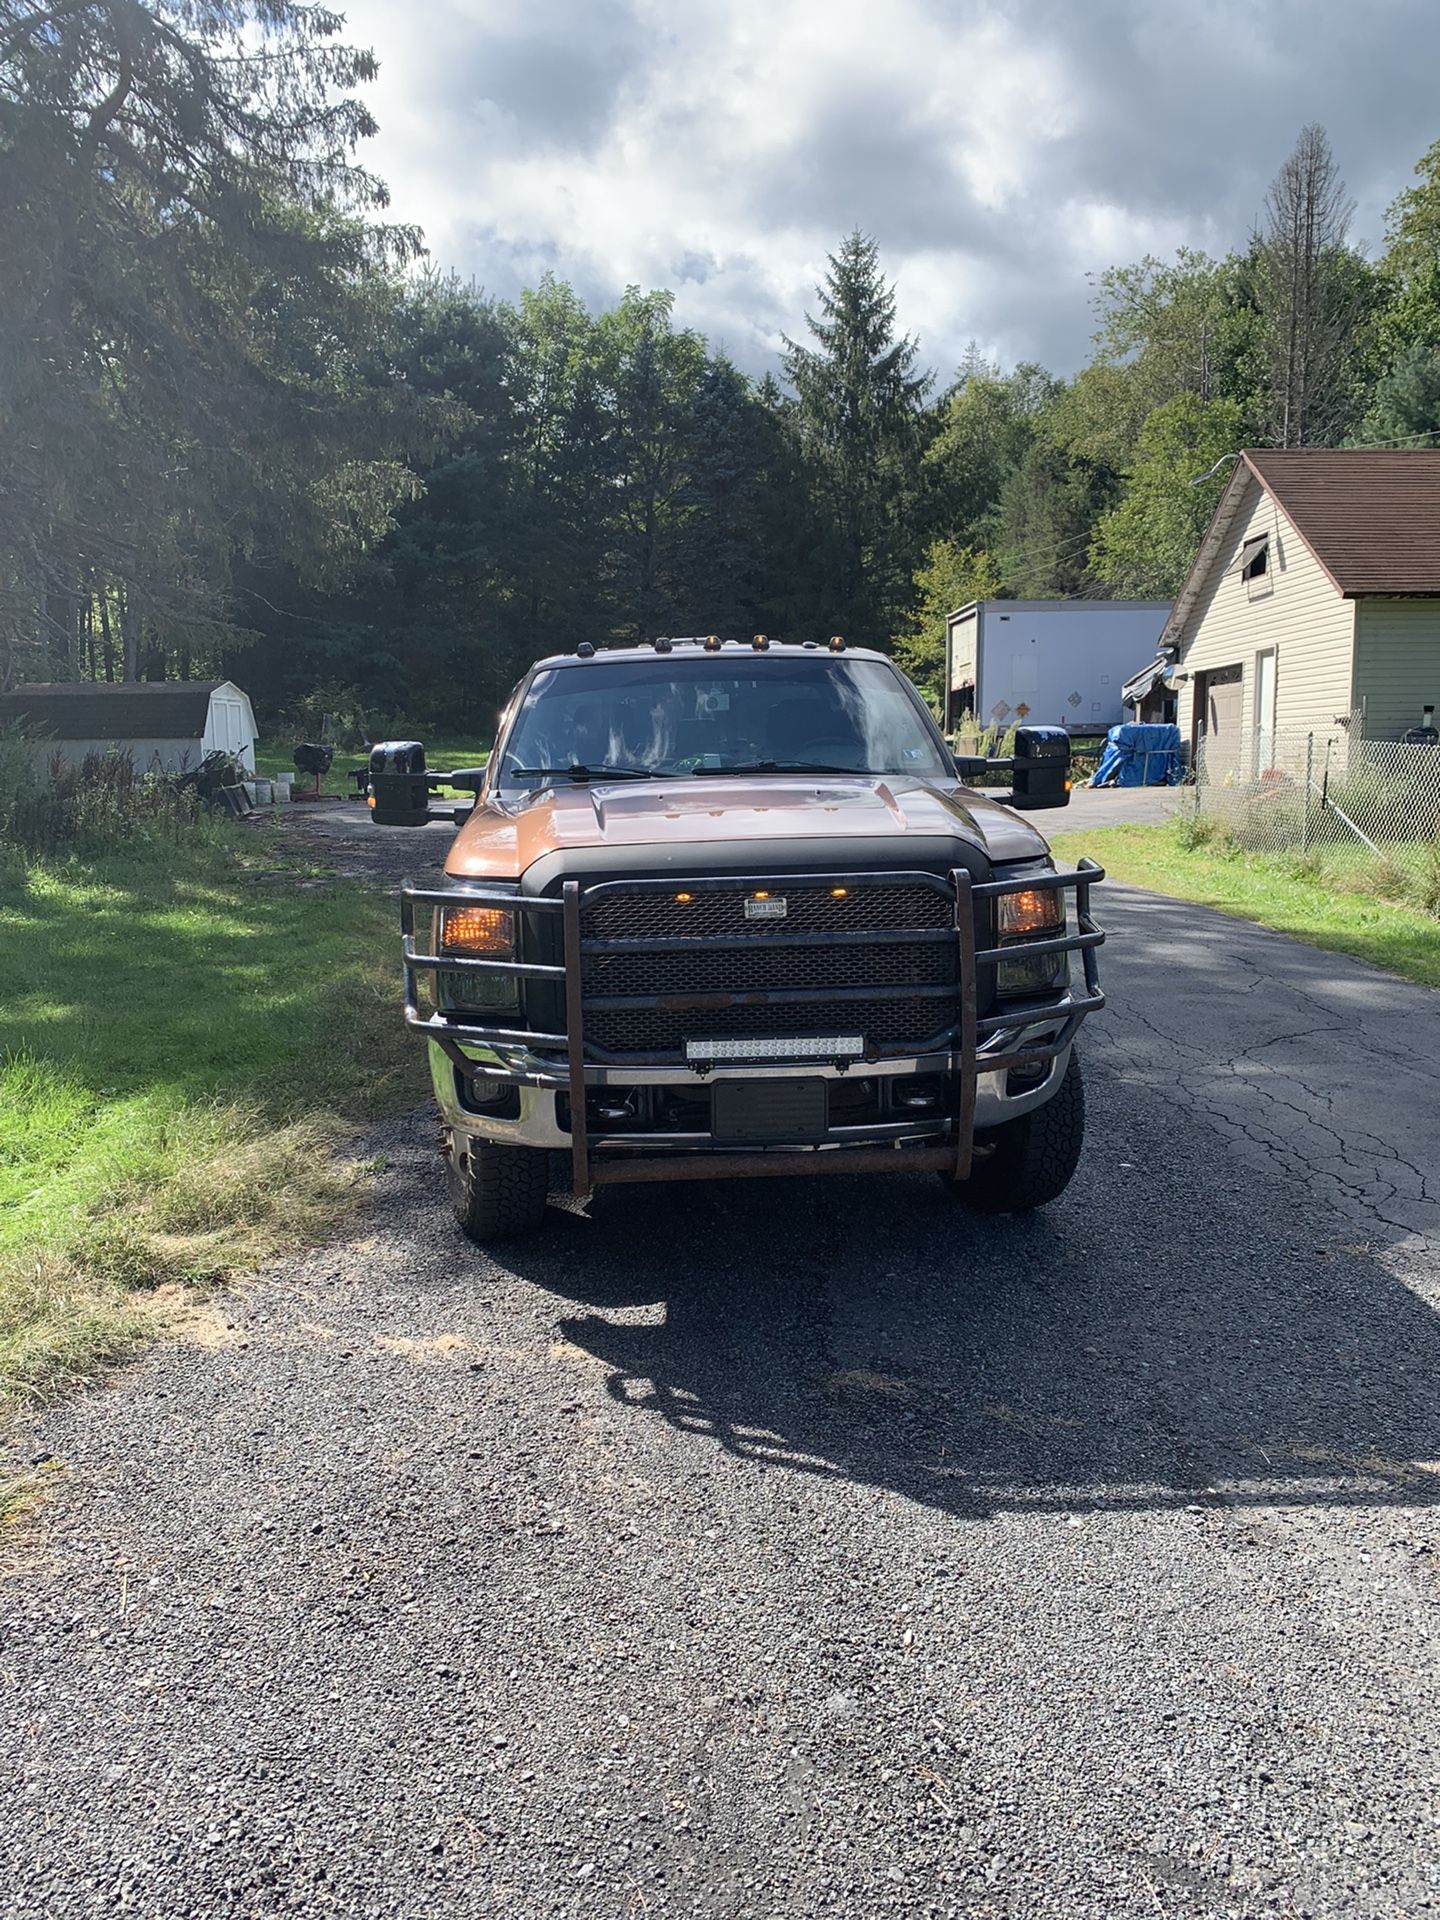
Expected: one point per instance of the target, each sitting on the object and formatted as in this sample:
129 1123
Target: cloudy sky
999 152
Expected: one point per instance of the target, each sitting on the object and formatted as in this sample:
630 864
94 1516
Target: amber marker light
839 893
837 643
684 899
759 896
477 930
1036 910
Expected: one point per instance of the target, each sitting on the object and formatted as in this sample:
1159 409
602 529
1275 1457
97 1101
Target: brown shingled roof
97 710
1371 518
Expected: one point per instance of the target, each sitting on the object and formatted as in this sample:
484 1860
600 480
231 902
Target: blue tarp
1139 756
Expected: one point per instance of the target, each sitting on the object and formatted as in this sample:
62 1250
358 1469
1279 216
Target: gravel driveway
795 1548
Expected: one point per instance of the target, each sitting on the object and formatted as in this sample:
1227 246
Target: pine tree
858 398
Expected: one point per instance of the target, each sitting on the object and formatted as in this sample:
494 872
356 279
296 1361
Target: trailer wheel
1032 1158
497 1192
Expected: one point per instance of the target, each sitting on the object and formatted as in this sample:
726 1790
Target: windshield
717 714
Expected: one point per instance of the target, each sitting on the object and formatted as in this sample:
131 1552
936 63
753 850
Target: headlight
477 933
1033 914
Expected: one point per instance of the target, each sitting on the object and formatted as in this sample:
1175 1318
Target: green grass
1318 902
189 1033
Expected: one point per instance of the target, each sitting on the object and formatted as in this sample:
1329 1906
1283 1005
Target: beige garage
1313 603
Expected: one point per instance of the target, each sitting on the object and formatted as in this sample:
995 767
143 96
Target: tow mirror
1042 767
1039 768
397 784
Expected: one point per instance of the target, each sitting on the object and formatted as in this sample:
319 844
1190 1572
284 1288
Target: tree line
245 430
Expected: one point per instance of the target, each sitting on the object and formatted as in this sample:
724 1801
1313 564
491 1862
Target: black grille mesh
659 916
755 968
769 970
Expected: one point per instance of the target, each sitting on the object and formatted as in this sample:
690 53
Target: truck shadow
874 1332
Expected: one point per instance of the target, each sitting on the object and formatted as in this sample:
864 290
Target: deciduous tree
192 305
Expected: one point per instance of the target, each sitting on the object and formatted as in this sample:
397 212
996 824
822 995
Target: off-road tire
1034 1157
500 1194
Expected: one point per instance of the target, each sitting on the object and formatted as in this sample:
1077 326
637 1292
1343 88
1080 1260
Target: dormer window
1255 558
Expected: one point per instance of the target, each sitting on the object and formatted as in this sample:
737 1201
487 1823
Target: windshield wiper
781 766
578 772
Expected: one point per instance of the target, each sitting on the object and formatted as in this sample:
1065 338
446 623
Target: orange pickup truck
725 910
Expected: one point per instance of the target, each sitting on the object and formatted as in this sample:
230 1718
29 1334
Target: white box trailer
1055 663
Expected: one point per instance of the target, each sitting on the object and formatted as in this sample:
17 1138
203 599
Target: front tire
1032 1158
497 1192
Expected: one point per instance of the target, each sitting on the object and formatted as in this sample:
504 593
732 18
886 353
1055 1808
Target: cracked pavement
1307 1061
797 1548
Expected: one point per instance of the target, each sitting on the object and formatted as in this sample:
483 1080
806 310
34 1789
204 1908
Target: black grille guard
1025 1033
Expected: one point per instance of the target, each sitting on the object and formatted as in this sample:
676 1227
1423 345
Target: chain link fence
1368 807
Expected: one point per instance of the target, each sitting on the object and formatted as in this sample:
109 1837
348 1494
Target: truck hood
504 839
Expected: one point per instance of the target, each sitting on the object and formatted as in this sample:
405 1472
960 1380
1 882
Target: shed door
225 725
1223 693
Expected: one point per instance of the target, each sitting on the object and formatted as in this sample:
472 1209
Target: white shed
165 726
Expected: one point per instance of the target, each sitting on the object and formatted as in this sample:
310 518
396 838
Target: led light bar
846 1047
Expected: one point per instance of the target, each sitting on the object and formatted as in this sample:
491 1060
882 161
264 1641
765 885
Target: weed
1430 880
1192 829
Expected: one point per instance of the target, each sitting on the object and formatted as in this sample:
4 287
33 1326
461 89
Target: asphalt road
795 1548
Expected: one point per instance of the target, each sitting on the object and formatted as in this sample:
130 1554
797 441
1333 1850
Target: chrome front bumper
553 1072
538 1122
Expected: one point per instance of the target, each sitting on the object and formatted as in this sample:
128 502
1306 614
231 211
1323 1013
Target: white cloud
998 152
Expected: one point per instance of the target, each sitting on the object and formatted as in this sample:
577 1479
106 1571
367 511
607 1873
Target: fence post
1309 775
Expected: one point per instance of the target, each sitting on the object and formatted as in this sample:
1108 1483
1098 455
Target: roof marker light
712 643
663 644
837 643
585 650
761 643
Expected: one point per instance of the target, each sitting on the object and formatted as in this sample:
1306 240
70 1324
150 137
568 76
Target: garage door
1223 694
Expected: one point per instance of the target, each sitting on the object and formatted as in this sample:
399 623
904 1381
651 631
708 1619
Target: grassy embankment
1342 900
191 1027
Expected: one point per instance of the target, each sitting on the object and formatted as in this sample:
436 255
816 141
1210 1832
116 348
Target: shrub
90 807
330 712
991 743
1193 830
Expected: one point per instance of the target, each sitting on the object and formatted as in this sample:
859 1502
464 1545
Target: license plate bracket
767 1111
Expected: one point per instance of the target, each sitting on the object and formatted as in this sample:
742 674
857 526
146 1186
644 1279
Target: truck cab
732 910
